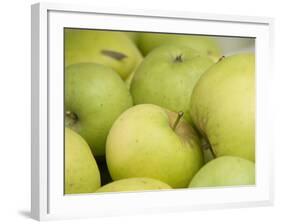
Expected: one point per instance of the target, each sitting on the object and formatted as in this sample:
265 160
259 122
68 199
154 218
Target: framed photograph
137 112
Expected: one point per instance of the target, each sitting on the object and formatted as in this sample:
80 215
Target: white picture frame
48 201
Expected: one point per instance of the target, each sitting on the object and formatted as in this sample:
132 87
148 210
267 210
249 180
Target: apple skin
223 106
142 143
81 170
113 49
225 171
167 76
204 45
134 184
97 96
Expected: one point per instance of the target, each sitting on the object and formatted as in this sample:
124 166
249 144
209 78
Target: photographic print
137 112
151 111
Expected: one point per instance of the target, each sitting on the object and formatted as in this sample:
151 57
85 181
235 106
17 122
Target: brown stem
213 153
221 58
180 115
179 58
207 146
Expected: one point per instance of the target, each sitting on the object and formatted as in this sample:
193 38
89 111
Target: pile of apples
147 111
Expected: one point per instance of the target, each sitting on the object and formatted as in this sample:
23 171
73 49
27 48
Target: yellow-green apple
81 170
113 49
134 184
149 141
167 75
225 171
94 97
223 106
204 45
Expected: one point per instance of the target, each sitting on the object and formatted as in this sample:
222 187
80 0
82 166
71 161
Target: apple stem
71 118
212 151
222 57
178 58
206 145
180 115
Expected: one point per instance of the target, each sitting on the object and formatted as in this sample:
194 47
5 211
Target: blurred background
232 45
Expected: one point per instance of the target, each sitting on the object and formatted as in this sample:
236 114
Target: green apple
81 170
149 141
134 184
113 49
94 97
167 75
203 44
223 106
225 171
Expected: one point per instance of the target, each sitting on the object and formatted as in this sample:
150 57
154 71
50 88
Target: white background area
15 111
